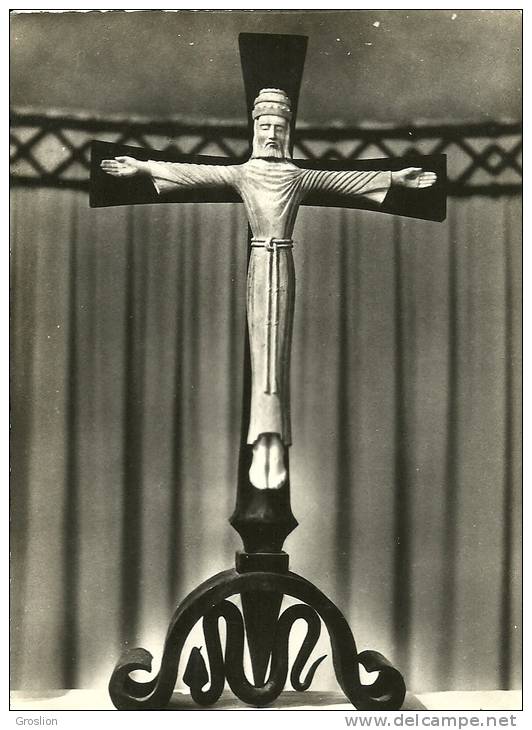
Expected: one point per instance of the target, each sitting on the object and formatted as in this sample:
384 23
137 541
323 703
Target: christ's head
271 132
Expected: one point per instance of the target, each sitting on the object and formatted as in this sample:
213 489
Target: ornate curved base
209 602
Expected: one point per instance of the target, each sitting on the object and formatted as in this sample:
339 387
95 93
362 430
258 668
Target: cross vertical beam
264 518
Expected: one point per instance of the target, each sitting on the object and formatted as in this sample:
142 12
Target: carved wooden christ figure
271 187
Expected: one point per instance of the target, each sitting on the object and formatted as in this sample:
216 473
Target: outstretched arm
168 176
368 184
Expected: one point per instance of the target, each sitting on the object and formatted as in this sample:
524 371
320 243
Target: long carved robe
271 192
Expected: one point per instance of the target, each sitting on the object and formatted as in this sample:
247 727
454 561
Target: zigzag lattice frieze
53 151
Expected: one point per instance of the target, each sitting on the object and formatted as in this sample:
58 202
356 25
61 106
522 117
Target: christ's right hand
124 167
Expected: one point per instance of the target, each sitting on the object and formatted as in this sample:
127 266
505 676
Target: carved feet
268 469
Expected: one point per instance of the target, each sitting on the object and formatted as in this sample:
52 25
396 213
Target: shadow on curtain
127 331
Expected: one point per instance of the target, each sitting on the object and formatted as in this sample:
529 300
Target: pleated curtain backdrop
127 347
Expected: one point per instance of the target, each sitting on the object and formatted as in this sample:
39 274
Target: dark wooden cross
264 517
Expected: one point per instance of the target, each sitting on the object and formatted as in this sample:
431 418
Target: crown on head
272 101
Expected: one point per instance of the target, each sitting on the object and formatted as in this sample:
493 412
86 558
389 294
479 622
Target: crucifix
272 186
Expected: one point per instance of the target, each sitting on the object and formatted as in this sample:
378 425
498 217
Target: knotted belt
272 306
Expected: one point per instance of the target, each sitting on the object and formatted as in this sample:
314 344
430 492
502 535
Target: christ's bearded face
272 137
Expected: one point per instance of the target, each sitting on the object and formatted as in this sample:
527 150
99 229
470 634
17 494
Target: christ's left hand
414 177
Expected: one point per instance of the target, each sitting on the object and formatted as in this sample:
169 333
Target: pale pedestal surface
81 699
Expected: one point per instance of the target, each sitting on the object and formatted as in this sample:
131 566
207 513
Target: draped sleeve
356 183
169 176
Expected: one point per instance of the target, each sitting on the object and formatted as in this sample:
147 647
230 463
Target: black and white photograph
266 362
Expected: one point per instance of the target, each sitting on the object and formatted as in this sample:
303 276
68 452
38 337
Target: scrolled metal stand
209 602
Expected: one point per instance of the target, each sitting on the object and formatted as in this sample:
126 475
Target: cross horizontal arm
106 190
427 204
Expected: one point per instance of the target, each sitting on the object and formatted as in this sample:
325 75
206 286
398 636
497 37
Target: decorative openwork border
53 151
